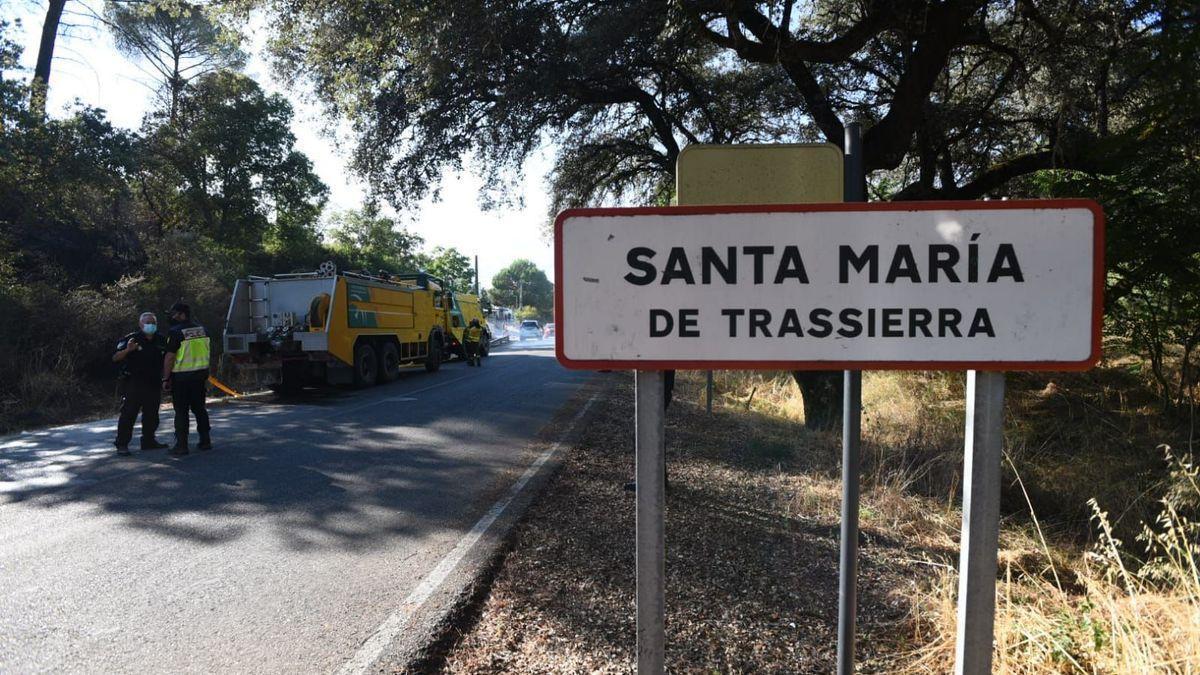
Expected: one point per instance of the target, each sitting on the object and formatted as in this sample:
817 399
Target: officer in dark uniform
185 373
140 355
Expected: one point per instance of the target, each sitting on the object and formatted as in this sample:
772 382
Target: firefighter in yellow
185 372
472 340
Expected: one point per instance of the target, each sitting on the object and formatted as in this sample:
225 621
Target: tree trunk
822 392
41 72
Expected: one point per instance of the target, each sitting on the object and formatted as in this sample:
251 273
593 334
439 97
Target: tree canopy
229 168
179 41
451 265
522 284
957 97
369 241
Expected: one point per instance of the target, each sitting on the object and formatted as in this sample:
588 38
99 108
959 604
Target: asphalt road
285 548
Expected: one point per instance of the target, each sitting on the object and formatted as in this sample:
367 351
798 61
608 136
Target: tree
958 97
525 313
13 93
41 71
229 169
180 41
1152 242
451 265
64 202
368 241
522 284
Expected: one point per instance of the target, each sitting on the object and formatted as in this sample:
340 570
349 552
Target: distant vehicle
500 322
548 331
530 330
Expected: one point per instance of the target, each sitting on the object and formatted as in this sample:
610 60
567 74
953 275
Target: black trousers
472 351
143 397
187 395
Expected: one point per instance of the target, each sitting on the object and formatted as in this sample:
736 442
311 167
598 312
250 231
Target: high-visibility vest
193 351
473 334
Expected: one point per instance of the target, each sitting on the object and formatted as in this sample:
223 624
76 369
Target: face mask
150 328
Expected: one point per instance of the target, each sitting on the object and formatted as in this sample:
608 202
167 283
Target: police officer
472 339
140 355
185 372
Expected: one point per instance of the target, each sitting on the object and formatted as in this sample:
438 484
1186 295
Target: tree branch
989 180
886 143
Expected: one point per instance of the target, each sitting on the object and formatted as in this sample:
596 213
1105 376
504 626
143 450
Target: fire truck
343 328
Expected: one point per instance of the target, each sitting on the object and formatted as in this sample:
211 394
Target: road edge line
373 648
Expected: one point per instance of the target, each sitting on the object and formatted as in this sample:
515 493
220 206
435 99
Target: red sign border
659 364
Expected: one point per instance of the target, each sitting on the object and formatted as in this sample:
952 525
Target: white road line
373 647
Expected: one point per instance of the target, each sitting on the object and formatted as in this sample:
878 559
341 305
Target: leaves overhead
958 97
618 87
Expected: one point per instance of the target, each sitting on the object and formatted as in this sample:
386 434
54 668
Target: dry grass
752 535
1103 610
752 528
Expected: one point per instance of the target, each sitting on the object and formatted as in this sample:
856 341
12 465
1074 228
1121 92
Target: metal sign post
981 522
708 392
651 544
851 437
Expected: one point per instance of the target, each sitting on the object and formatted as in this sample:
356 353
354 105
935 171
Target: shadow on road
328 470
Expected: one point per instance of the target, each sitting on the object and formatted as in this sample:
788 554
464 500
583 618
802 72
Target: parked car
530 330
548 331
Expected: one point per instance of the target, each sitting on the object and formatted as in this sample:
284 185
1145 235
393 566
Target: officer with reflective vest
472 339
185 373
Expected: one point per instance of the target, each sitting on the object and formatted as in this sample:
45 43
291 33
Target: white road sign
1006 285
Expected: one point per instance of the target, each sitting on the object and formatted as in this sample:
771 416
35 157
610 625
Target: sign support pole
708 392
981 523
651 547
851 437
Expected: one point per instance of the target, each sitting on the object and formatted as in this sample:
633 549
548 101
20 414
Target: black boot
123 450
152 444
179 448
205 442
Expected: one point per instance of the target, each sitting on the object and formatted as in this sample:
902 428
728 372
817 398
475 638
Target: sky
87 67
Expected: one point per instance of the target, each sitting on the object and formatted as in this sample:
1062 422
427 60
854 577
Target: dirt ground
752 549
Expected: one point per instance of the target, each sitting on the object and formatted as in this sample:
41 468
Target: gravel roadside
752 530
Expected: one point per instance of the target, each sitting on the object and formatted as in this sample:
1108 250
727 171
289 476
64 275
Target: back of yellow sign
799 173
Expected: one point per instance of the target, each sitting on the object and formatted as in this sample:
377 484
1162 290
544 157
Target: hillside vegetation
99 223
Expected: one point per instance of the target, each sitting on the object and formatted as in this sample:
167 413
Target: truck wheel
288 387
434 360
291 379
366 365
389 362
